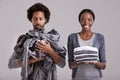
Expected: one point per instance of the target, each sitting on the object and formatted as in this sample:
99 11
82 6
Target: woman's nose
86 22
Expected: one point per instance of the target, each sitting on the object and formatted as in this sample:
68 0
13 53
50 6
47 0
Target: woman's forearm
100 65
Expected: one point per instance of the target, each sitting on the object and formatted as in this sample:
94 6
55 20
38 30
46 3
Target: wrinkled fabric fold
46 68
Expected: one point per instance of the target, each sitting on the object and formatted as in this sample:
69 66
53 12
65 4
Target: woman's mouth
86 26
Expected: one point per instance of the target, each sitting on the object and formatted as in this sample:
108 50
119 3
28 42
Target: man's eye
34 19
41 19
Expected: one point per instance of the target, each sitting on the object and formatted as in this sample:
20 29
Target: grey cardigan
98 43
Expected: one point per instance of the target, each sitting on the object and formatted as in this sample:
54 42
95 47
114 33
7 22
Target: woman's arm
73 65
97 64
100 65
102 54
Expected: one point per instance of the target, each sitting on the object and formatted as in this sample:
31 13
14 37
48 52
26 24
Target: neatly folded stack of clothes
86 54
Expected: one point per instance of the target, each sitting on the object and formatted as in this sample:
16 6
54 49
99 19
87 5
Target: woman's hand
100 65
97 64
73 65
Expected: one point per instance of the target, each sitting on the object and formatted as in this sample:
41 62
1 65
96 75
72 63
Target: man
37 52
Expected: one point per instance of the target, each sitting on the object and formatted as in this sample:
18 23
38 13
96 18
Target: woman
38 52
86 50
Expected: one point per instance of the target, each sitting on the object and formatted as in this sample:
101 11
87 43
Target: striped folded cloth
86 54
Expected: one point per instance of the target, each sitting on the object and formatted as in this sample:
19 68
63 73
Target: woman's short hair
88 11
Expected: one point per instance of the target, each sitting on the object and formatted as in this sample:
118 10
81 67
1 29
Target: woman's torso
86 71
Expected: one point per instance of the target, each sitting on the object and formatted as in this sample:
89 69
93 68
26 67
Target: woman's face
38 20
86 21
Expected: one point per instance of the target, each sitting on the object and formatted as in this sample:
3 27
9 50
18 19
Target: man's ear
31 20
45 21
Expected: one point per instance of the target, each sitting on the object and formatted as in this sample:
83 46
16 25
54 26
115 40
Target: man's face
38 20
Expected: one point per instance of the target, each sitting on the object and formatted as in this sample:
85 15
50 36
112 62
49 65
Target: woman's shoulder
99 35
73 34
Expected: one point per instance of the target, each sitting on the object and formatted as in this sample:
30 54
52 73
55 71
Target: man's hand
33 60
45 48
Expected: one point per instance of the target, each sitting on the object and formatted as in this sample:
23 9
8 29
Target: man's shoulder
53 31
23 37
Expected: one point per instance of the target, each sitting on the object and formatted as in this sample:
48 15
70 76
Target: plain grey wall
64 18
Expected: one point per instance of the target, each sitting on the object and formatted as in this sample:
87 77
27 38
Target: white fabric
86 54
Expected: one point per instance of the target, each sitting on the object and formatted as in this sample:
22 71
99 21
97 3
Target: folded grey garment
86 54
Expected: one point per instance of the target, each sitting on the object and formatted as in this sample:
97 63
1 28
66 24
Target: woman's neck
86 35
86 32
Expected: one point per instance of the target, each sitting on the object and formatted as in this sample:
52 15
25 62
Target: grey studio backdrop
64 18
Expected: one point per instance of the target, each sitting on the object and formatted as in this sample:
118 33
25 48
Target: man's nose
38 21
